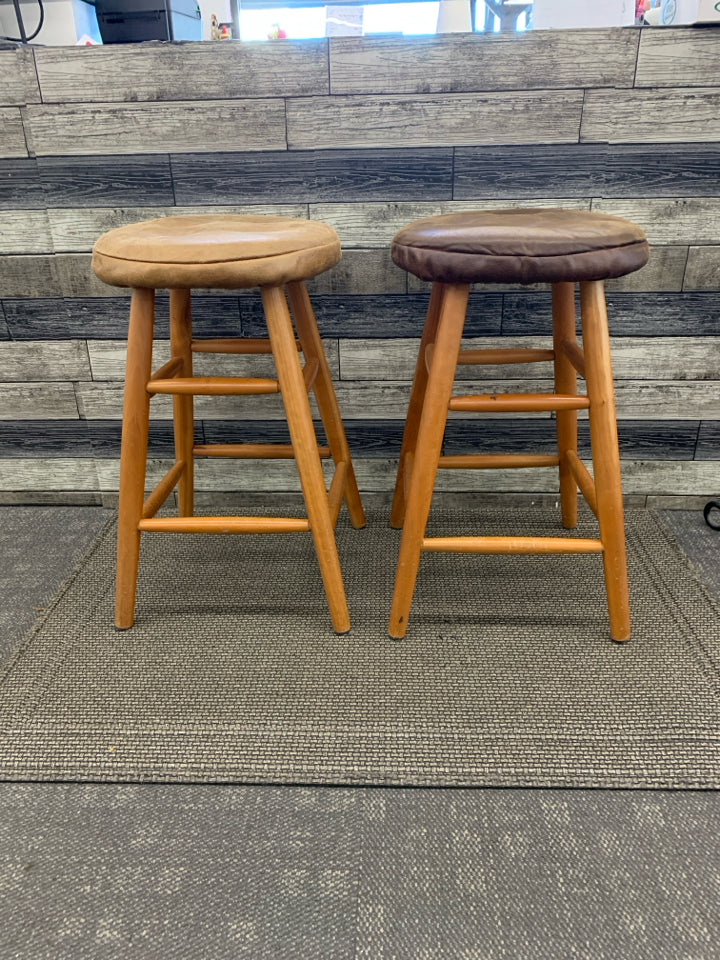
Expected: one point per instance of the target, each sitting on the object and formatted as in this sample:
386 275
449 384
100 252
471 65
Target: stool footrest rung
168 369
491 356
245 345
215 386
225 525
519 545
251 451
517 402
497 461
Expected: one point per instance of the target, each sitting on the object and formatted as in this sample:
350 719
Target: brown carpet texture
507 676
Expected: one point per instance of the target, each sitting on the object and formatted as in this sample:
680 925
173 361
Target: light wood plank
703 269
435 119
678 57
180 126
189 71
37 401
25 231
44 360
456 63
361 272
684 115
58 473
18 80
691 220
76 230
29 276
375 224
663 272
12 135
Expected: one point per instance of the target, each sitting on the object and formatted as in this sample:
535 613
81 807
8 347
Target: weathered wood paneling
20 184
687 115
587 170
192 71
459 63
316 175
691 220
664 272
37 401
708 444
19 80
61 473
29 276
361 272
678 58
105 436
703 268
12 136
25 231
435 120
45 438
106 181
180 126
44 360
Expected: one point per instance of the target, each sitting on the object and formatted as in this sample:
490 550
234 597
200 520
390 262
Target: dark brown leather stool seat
276 254
517 246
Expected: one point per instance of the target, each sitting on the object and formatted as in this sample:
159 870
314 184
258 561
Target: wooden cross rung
517 402
337 490
163 490
506 545
247 345
215 386
310 372
251 451
575 355
486 357
582 477
168 369
497 461
225 525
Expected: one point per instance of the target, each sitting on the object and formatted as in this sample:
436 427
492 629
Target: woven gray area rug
507 676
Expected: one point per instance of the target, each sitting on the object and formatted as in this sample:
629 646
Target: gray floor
94 871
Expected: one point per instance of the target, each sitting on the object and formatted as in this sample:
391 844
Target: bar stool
560 247
232 252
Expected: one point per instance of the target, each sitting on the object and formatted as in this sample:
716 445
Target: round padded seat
216 250
520 246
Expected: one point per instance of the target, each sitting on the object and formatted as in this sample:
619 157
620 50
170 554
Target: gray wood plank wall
366 134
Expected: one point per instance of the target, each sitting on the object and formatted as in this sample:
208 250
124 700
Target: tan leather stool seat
230 251
520 246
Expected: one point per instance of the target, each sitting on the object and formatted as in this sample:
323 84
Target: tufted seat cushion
215 250
520 246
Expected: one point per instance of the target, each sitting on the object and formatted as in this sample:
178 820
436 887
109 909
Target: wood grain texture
20 184
458 63
629 314
587 170
361 272
684 115
703 269
375 224
138 128
678 57
12 136
45 438
25 231
44 360
664 272
106 181
691 220
37 401
708 443
29 276
105 436
188 71
434 120
18 80
306 175
56 473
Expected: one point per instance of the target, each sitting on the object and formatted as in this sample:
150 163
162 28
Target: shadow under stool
228 251
555 246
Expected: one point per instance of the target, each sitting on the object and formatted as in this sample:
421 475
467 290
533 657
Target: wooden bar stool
232 252
560 247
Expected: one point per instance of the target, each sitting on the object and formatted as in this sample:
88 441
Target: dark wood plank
12 134
188 71
20 184
456 63
380 316
587 170
639 439
708 444
18 80
105 181
45 438
630 314
547 116
685 115
130 128
104 438
106 318
367 438
4 331
679 57
703 269
313 175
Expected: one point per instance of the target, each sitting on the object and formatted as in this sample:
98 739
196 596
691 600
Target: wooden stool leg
427 452
312 347
606 454
307 457
565 383
133 458
180 345
417 398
